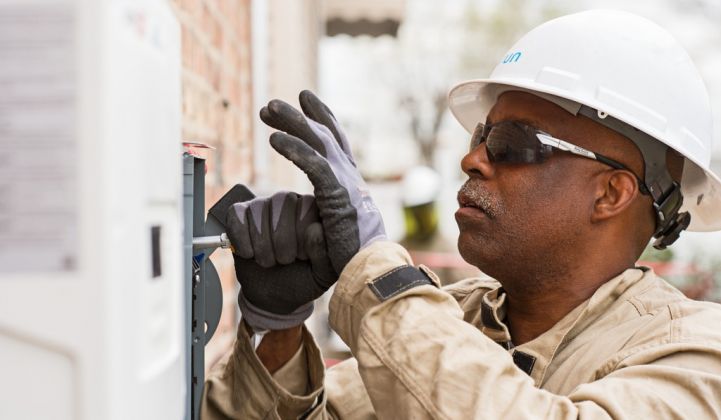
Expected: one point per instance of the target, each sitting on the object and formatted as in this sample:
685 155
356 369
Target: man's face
517 219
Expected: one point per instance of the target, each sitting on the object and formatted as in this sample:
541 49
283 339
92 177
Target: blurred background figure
420 189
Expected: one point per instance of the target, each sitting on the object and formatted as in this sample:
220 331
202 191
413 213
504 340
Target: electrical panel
92 281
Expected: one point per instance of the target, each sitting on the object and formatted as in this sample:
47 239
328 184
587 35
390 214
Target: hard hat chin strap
666 193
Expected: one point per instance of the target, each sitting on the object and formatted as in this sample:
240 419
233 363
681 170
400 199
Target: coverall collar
535 356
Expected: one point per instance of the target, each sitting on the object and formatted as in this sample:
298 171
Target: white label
38 150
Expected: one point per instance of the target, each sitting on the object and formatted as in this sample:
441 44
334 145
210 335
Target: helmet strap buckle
672 231
669 222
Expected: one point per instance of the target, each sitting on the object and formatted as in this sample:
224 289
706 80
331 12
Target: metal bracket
203 293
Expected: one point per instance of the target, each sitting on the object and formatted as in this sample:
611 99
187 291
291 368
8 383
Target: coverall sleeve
239 387
419 359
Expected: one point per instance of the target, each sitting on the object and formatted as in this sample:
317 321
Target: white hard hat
621 66
421 185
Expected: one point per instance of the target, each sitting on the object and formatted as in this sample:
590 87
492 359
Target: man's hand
315 143
280 259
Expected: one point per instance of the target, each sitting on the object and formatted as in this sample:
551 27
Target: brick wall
217 102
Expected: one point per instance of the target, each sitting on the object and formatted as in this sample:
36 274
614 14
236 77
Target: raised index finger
284 117
303 156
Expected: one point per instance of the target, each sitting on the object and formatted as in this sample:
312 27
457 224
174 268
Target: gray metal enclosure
203 293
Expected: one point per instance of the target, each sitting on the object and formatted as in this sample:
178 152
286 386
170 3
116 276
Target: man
591 136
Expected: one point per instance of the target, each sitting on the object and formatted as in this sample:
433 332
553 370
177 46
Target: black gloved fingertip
306 96
264 114
312 100
277 138
276 106
280 142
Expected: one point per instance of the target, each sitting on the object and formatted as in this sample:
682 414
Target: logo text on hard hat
512 57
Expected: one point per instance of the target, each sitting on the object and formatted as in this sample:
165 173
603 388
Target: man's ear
616 190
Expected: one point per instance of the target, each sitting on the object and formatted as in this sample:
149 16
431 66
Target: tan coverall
637 349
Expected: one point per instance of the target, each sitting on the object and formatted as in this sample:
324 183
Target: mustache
472 194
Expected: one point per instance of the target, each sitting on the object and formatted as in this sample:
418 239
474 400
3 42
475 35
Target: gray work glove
315 143
280 259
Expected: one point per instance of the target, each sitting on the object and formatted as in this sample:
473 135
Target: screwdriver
212 242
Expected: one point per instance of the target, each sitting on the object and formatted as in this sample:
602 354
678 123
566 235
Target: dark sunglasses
515 142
